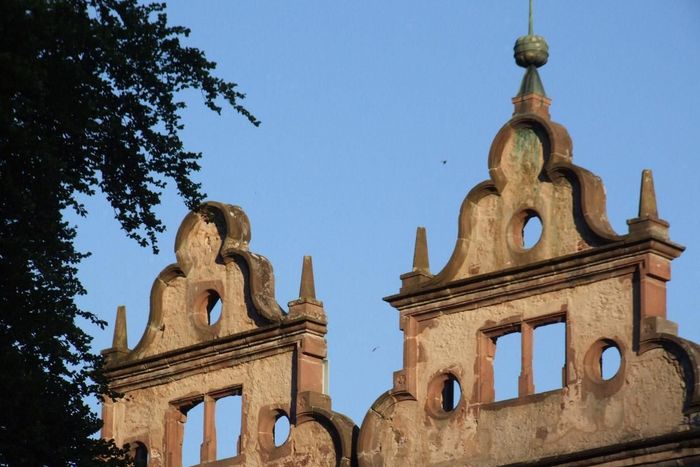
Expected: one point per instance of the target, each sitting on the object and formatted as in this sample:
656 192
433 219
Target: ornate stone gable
606 292
274 361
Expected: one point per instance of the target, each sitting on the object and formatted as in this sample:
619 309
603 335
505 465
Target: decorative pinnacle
307 289
647 197
531 52
306 306
647 223
420 253
119 341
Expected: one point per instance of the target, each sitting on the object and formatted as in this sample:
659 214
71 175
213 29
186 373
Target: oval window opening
213 308
451 394
281 430
532 231
610 361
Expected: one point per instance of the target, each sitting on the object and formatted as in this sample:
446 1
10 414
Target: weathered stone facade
274 360
607 289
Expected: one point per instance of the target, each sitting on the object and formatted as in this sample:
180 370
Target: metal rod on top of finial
530 29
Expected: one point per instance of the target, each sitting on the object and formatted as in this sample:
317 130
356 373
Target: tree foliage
88 102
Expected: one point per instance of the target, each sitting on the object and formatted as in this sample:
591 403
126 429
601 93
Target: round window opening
281 430
604 361
610 361
444 395
526 229
532 231
214 306
451 393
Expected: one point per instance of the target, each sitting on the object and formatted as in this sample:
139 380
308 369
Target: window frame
486 352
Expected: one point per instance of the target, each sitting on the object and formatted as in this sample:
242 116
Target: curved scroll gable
592 202
688 355
155 315
261 282
342 430
370 443
531 177
214 270
231 223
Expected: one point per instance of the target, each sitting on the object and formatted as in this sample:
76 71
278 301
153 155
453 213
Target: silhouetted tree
87 102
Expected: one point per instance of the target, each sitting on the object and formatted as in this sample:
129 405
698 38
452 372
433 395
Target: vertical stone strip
312 352
208 448
107 419
486 354
174 431
410 351
654 274
525 383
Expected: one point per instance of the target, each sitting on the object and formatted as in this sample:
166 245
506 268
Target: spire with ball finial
531 52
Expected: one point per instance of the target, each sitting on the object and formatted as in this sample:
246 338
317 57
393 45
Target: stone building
607 291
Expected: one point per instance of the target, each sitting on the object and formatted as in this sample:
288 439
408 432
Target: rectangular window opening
506 365
549 356
193 433
229 415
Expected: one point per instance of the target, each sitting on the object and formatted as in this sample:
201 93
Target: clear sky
362 101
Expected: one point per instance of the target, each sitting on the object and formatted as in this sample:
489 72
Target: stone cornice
207 356
585 266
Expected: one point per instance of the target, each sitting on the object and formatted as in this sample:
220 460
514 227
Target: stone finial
120 346
647 222
420 273
421 261
647 197
307 305
307 289
119 341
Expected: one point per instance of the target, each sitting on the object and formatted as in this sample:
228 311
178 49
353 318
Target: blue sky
361 101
